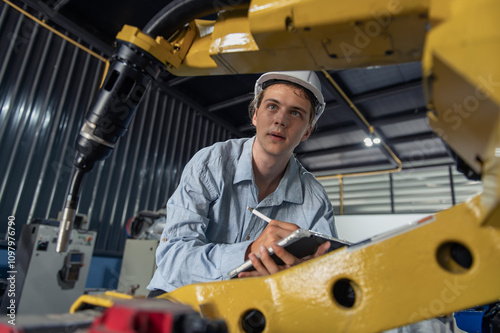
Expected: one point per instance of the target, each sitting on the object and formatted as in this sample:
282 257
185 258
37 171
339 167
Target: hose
69 211
179 12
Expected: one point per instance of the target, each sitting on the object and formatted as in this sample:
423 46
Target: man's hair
254 105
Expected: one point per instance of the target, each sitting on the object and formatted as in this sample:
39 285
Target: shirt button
247 237
163 239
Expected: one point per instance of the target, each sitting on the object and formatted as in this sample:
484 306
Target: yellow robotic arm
448 262
290 35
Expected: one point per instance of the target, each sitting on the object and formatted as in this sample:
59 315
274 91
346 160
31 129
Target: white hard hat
306 79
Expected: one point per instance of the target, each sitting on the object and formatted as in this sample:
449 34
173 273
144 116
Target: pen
259 214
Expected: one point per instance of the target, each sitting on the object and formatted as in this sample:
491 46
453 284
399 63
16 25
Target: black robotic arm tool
131 73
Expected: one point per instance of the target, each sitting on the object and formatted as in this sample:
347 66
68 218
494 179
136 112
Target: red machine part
125 319
154 316
125 316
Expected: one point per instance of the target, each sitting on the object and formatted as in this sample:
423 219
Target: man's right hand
273 233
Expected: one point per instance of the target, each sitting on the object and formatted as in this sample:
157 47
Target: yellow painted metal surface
324 34
214 47
399 280
198 59
309 34
462 76
170 54
104 300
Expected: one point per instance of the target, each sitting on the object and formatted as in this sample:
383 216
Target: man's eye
296 113
272 106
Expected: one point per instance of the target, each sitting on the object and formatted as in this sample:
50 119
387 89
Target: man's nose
280 118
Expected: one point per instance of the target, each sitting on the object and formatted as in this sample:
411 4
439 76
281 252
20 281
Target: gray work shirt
208 227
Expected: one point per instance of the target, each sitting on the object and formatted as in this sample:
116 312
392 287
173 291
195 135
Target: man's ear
254 118
307 133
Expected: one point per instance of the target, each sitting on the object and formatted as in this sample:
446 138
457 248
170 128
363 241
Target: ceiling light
371 140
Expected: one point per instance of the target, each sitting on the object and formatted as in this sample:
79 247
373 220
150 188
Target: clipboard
301 243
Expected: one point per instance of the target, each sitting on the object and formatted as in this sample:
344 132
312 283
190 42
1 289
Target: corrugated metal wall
46 86
419 190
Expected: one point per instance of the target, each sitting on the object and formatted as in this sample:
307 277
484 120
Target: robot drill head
130 75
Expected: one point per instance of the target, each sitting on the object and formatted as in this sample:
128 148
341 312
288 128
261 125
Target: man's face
282 119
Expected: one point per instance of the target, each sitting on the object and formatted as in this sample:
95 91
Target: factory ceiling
388 99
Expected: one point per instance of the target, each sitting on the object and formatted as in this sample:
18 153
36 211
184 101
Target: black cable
69 211
74 190
179 12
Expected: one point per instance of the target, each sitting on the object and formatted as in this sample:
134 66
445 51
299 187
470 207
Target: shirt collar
290 186
244 167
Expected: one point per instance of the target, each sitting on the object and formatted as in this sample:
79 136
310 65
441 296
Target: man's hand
273 233
267 266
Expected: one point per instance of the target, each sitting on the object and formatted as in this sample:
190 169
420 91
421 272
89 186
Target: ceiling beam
361 167
200 109
230 102
413 137
409 86
246 128
350 127
380 93
385 92
438 159
67 24
358 116
361 146
179 80
333 150
399 117
434 160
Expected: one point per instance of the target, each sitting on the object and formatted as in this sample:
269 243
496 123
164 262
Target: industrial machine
138 261
48 282
447 263
138 266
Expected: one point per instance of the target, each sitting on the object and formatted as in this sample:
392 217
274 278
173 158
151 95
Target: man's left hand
267 266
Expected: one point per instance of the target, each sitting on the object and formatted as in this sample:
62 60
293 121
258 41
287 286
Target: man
208 229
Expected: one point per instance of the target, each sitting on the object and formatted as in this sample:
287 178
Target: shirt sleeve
184 255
